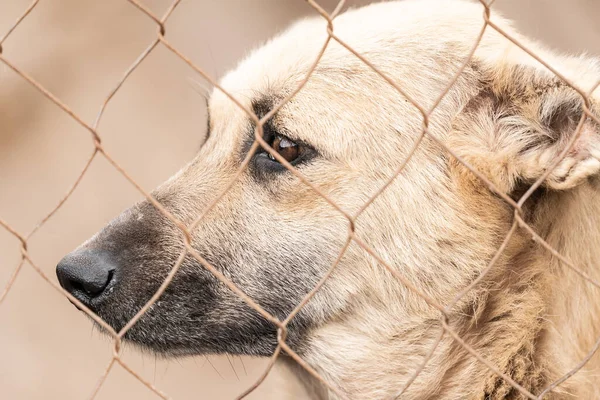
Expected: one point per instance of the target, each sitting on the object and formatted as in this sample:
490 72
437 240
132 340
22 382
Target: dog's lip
76 305
85 301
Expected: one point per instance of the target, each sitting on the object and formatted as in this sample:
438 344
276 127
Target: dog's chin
154 346
166 349
149 339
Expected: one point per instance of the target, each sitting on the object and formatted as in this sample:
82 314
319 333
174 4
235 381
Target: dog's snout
85 273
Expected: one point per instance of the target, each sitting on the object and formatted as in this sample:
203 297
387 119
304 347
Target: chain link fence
161 40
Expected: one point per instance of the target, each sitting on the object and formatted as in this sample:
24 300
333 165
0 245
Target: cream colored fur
437 224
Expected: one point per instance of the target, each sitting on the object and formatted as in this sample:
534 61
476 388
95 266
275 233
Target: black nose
85 273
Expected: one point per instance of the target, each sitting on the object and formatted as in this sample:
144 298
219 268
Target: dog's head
346 131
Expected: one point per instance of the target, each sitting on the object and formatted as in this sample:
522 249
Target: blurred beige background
79 49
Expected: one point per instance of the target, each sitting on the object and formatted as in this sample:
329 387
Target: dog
438 224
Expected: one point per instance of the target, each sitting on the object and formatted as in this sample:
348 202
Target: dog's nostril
85 273
91 288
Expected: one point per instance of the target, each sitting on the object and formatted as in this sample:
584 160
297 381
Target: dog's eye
287 149
294 152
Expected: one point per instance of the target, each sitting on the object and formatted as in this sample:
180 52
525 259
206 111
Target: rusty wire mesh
444 309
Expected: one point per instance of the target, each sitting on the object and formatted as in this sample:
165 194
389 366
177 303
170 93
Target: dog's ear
515 128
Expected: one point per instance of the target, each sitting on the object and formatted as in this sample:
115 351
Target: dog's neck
573 314
365 361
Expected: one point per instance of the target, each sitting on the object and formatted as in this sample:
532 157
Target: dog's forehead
382 32
412 41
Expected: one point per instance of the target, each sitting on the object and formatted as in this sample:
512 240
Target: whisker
154 377
213 367
199 88
243 365
232 366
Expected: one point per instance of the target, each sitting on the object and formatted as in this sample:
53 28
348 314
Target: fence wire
444 309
